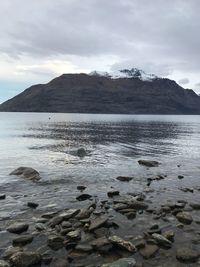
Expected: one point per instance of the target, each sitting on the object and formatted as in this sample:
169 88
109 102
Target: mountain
127 92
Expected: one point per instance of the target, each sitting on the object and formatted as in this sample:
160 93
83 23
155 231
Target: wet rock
4 263
81 187
84 248
149 163
180 177
186 189
2 196
66 224
69 213
84 213
195 206
124 262
124 178
154 229
83 197
27 173
40 227
74 235
18 228
99 243
113 193
32 205
49 215
55 242
138 242
55 221
130 215
184 217
127 245
25 259
148 251
56 262
22 240
187 255
169 235
81 152
162 241
98 222
10 251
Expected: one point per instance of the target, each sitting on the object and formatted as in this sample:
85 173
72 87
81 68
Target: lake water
114 144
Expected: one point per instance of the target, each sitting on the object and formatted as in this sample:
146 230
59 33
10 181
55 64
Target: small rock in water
113 193
81 187
116 240
69 213
25 259
184 217
180 177
124 178
83 197
81 152
149 163
22 240
27 173
149 251
187 255
195 206
96 223
2 196
18 228
55 242
161 240
124 262
169 235
32 205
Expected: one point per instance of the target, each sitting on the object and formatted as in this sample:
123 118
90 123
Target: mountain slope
101 93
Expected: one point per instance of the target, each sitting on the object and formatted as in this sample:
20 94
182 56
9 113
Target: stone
161 240
40 226
148 251
74 235
55 221
48 215
195 206
180 177
113 193
32 205
187 255
169 235
149 163
127 245
55 242
66 224
124 262
25 259
124 178
84 248
98 222
84 213
99 242
56 262
83 197
2 196
4 263
18 228
10 251
138 242
184 217
81 152
130 215
81 187
27 173
22 240
69 213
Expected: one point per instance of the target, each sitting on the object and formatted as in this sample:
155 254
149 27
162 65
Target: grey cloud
184 81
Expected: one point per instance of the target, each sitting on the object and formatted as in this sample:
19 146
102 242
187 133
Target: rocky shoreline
122 230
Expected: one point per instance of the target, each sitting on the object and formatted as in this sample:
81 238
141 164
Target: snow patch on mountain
125 73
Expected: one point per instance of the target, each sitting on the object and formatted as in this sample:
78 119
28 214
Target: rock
138 242
149 163
127 245
10 251
27 173
81 187
74 235
124 178
113 193
148 251
25 259
2 196
56 262
40 226
81 152
187 255
83 197
4 263
195 206
169 235
22 240
98 222
66 224
18 228
69 213
48 215
161 240
130 215
84 213
55 221
184 217
84 248
32 205
55 242
99 242
124 262
180 177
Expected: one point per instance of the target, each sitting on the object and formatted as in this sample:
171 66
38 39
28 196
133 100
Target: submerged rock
18 228
187 255
149 163
27 173
127 245
96 223
184 217
25 259
124 178
81 187
124 262
149 251
161 240
32 205
195 206
81 152
113 193
83 197
22 240
2 196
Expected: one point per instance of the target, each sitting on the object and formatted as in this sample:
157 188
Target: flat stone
18 228
57 262
27 173
22 240
149 163
187 255
161 240
81 187
55 221
113 193
99 242
55 242
98 222
138 242
83 197
2 196
149 251
69 213
40 226
10 251
184 217
124 178
32 205
124 262
25 259
127 245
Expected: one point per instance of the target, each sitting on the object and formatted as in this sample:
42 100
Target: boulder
27 173
149 163
124 262
25 259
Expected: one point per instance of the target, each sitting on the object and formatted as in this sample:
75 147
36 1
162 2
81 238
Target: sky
42 39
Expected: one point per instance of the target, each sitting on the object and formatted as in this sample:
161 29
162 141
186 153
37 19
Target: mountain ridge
89 93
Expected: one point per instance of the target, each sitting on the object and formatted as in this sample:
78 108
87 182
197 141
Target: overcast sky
41 39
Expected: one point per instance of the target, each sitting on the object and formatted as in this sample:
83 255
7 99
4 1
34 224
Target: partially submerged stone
27 173
184 217
127 245
96 223
187 255
22 240
83 197
124 262
149 251
124 178
25 259
69 213
161 240
18 228
149 163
